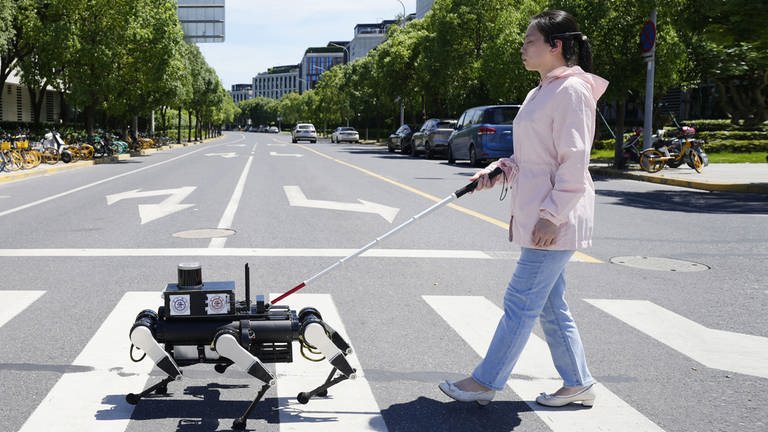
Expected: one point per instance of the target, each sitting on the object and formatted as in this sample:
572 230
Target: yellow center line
499 223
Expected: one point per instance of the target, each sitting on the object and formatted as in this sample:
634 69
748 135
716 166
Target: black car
401 140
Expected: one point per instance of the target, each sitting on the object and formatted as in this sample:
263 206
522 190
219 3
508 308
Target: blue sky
260 34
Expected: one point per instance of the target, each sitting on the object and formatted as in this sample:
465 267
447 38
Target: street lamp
349 58
402 20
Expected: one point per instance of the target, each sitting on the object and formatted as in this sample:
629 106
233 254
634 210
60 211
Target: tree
152 72
613 28
728 44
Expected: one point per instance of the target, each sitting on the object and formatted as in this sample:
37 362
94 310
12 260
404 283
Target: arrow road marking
475 319
13 302
150 212
285 154
296 198
224 155
717 349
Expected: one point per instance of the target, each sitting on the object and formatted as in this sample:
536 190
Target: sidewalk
742 177
44 169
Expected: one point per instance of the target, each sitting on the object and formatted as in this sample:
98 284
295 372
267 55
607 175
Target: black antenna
247 286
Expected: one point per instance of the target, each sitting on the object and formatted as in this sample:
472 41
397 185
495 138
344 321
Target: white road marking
252 252
95 400
150 212
13 302
349 406
717 349
475 320
296 198
286 154
234 202
226 155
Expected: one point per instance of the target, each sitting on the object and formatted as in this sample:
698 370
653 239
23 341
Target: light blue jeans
537 289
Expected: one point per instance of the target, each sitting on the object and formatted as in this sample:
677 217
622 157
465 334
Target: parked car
483 132
304 132
401 139
433 137
345 133
273 129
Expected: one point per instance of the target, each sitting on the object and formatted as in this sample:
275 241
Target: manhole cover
205 233
660 264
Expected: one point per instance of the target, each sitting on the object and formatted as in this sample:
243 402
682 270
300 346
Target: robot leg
226 344
143 338
315 334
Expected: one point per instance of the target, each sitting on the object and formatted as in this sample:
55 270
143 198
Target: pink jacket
549 176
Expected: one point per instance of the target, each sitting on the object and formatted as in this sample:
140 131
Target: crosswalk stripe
475 320
13 302
717 349
350 405
95 400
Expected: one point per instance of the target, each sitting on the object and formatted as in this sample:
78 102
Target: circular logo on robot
180 304
217 303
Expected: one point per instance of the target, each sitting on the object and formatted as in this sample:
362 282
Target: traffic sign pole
648 46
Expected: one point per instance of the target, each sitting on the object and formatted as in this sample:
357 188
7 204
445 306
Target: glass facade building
202 20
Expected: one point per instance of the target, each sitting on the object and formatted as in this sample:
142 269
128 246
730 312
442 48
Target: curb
760 188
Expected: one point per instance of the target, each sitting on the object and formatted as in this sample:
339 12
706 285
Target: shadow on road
690 201
424 414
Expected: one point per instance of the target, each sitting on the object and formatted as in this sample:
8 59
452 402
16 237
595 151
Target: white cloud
260 34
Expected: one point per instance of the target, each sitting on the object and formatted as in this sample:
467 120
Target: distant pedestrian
552 198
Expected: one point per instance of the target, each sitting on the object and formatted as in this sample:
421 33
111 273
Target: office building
241 92
202 20
317 60
422 7
276 82
368 37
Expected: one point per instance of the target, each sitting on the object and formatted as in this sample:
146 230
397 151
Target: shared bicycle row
21 151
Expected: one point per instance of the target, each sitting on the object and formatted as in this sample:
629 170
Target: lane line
582 257
234 202
94 400
475 319
349 406
13 302
96 183
265 252
717 349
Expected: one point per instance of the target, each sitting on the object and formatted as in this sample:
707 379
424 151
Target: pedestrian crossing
93 397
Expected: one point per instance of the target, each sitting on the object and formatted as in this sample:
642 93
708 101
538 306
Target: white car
345 133
304 132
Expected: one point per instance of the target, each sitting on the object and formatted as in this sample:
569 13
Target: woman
552 212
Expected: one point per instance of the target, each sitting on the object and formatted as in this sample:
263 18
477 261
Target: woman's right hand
508 165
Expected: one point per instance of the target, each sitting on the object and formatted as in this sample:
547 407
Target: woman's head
560 33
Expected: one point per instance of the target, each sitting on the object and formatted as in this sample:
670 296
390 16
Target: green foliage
728 43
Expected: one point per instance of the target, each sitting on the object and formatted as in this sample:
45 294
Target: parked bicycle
648 159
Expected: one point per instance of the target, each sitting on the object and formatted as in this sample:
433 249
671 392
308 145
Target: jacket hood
596 84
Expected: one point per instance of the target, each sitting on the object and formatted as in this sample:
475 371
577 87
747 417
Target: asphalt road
670 300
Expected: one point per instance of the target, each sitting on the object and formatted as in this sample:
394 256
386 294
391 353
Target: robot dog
203 323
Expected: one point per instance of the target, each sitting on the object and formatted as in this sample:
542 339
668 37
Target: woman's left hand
544 233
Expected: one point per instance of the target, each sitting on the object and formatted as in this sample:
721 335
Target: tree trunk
189 126
178 129
618 150
90 118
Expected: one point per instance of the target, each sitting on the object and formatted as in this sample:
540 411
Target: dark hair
560 25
